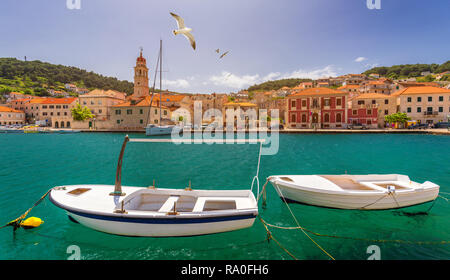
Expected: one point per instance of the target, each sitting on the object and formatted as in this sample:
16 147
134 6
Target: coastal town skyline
313 50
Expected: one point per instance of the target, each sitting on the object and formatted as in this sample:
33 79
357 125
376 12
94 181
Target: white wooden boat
354 191
157 212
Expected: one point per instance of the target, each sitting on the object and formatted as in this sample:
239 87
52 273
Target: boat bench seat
168 205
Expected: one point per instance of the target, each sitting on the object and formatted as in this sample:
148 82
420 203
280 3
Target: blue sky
266 39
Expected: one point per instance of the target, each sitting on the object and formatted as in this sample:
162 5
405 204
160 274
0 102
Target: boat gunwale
161 216
278 181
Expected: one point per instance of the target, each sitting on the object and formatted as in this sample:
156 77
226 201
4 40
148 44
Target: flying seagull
182 29
217 51
225 53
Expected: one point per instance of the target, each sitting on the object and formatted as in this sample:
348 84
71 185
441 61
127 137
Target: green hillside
34 77
275 85
408 70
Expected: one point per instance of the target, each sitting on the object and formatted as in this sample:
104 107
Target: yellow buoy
31 222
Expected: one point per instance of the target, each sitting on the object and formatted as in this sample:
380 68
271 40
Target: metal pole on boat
118 186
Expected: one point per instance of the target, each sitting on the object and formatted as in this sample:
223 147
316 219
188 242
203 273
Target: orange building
9 116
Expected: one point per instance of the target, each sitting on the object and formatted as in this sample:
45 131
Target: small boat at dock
365 192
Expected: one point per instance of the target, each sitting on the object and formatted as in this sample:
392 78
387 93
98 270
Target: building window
386 101
441 109
360 102
409 99
369 112
303 103
141 121
118 121
419 99
327 102
156 111
99 102
165 113
408 110
441 98
419 109
293 104
327 117
355 112
44 106
118 112
129 111
141 111
293 118
338 102
429 109
374 102
338 117
303 118
386 112
430 98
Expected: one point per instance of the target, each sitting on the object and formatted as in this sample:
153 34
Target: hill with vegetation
275 85
36 77
410 70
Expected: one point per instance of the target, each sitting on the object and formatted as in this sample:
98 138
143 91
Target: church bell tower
141 88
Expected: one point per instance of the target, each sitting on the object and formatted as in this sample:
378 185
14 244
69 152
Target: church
136 111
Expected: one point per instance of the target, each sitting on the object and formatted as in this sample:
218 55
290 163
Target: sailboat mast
160 79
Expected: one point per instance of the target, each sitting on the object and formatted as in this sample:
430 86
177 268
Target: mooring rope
16 222
304 230
298 224
361 239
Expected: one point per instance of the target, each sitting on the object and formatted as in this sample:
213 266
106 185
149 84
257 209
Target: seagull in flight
224 54
182 29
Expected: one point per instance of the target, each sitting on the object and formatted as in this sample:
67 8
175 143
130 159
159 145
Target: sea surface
30 164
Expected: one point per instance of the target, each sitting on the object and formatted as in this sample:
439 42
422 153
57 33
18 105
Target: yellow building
136 114
424 104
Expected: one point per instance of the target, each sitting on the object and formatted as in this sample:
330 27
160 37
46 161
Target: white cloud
360 59
228 79
179 83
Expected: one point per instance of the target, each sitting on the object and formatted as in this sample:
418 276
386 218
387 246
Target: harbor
169 166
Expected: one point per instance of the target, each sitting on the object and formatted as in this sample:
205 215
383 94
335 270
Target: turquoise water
32 163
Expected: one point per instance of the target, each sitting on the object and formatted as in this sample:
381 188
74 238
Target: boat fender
31 222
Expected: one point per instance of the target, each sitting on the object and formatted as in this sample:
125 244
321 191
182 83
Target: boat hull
162 227
158 130
353 200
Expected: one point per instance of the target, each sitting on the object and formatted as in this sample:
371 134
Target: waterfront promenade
312 131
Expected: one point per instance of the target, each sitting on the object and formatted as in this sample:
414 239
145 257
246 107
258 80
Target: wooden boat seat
346 183
168 205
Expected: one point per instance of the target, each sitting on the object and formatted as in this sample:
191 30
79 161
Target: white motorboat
354 191
157 212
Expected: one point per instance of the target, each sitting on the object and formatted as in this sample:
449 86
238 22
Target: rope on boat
361 239
304 230
298 224
443 197
256 178
16 223
270 237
